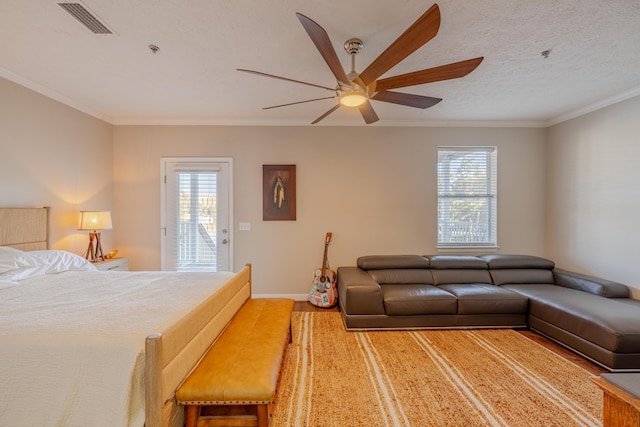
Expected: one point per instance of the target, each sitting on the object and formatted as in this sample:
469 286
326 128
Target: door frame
163 210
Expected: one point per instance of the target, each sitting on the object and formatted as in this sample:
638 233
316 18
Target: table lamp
95 220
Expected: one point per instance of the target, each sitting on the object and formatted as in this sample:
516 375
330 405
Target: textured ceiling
594 60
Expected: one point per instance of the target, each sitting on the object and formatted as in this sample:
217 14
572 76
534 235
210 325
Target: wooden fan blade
368 113
299 102
334 108
443 72
410 100
320 38
423 30
259 73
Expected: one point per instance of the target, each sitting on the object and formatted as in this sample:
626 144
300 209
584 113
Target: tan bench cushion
242 367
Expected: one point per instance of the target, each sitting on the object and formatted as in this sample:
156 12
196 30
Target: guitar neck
327 240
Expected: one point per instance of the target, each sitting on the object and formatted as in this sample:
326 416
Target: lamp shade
95 220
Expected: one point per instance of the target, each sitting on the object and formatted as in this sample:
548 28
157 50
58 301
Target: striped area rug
332 377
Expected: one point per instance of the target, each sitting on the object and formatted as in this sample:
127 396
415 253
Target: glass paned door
196 209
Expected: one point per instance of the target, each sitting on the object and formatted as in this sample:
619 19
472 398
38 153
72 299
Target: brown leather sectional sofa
594 317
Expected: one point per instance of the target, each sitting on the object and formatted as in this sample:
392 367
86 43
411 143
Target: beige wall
373 187
53 155
594 193
569 192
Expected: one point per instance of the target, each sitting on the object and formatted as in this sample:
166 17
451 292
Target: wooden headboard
26 229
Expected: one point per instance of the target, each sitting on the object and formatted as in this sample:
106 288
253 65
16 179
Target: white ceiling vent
80 12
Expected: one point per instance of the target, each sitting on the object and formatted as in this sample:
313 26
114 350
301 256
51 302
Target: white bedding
72 344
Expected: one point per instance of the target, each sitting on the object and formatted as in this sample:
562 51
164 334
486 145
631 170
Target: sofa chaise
594 317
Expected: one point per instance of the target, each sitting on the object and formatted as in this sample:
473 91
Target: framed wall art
278 192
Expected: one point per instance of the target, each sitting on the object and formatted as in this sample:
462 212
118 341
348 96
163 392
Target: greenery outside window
467 197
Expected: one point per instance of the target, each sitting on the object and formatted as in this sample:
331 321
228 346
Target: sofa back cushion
522 276
402 276
445 262
460 277
591 284
458 269
384 262
497 261
520 269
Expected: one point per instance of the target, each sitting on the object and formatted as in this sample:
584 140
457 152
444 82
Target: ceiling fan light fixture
354 90
353 99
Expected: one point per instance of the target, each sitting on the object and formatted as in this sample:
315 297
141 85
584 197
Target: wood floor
567 354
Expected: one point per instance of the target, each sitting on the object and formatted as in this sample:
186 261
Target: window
467 197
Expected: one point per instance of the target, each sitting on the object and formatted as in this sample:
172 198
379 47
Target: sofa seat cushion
412 299
610 323
481 298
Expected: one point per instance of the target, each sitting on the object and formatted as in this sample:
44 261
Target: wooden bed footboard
172 354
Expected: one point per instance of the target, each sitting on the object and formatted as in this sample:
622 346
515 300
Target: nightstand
115 264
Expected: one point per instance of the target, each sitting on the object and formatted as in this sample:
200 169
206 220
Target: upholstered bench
241 368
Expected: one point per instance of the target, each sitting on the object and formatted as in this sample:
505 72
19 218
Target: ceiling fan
355 89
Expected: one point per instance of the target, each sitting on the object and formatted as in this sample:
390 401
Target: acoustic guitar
324 292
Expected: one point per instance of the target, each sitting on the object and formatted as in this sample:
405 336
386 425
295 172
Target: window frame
487 226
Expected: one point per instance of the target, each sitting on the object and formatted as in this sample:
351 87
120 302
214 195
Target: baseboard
296 297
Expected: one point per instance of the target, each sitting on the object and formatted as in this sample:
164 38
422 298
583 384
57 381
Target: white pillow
16 264
59 261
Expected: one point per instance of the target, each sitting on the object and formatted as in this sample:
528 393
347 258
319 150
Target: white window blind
467 196
192 198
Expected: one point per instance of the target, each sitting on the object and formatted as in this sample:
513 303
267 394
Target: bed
85 347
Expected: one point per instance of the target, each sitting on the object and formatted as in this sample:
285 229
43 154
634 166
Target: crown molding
594 107
52 94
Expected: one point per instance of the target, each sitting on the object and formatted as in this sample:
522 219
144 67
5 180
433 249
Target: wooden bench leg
263 415
193 413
